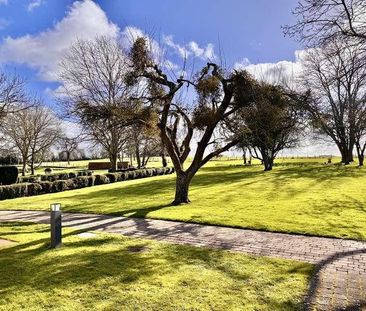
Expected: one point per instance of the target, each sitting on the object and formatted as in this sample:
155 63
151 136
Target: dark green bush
101 180
35 179
91 180
46 186
131 175
34 189
122 176
13 191
59 186
150 172
71 184
63 176
8 175
29 179
160 171
85 173
82 182
72 175
113 177
139 173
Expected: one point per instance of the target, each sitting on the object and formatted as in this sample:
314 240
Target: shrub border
39 187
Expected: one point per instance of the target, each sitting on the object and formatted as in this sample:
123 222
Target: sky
34 34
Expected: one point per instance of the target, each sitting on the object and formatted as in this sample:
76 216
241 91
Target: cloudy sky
34 34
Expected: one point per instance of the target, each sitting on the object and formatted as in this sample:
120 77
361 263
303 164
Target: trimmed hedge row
43 187
54 177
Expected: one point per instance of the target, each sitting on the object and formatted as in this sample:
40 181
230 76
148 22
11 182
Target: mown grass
299 196
111 272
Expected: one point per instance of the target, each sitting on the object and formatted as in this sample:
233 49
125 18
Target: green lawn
298 196
111 272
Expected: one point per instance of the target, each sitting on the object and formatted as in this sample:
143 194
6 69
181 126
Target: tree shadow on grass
32 266
151 195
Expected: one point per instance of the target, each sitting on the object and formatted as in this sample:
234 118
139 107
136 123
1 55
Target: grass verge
298 196
111 272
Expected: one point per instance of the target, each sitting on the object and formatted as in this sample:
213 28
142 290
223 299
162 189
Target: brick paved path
340 281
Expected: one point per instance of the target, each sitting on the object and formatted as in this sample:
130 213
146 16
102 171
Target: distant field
299 196
65 167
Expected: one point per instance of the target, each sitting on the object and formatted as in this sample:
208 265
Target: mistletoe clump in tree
271 124
218 97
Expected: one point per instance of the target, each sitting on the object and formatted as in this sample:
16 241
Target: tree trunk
137 154
347 156
163 160
360 154
24 168
32 167
360 159
181 189
268 164
114 162
68 157
244 157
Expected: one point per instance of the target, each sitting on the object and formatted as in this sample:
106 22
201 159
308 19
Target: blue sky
246 28
243 29
34 35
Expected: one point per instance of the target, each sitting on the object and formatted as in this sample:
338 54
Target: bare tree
360 131
12 93
112 139
69 146
32 132
218 97
318 21
95 92
145 142
335 74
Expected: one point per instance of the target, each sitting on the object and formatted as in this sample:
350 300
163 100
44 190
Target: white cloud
242 64
192 48
180 50
71 129
34 4
209 52
280 72
84 20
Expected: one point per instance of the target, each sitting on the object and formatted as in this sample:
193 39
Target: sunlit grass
298 196
111 272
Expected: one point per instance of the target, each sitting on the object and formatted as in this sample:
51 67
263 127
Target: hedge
47 186
55 176
8 175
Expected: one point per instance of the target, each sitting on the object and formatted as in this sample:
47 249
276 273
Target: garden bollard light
56 225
